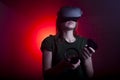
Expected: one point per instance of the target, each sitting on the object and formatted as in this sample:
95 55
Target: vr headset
69 13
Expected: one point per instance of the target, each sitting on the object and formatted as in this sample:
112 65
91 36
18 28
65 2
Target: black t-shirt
60 49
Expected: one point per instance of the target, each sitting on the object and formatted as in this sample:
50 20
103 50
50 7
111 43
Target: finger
92 49
86 45
68 59
76 64
85 55
87 51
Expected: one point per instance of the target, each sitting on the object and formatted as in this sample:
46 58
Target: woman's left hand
87 52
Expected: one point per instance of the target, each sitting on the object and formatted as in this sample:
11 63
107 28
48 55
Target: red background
25 23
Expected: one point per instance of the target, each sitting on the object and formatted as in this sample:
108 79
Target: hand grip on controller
91 43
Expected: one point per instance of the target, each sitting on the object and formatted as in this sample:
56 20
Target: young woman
66 55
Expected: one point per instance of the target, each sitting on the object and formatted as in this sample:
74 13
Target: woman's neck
69 36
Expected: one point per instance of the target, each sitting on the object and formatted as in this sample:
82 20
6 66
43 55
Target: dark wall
18 20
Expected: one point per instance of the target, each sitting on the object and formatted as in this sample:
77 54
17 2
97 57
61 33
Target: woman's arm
47 64
87 62
88 67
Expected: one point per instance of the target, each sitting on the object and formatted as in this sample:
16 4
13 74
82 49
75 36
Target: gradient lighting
43 30
32 59
35 35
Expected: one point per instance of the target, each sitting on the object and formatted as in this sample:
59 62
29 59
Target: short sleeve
47 44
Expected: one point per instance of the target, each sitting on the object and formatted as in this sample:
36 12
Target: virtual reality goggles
69 13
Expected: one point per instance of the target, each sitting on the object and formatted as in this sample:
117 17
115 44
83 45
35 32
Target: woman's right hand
74 66
69 65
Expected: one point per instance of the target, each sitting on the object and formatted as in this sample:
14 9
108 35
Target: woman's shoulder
50 37
47 43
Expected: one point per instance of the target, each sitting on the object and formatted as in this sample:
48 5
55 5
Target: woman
66 56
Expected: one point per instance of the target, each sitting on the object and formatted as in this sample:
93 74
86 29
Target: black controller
72 55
